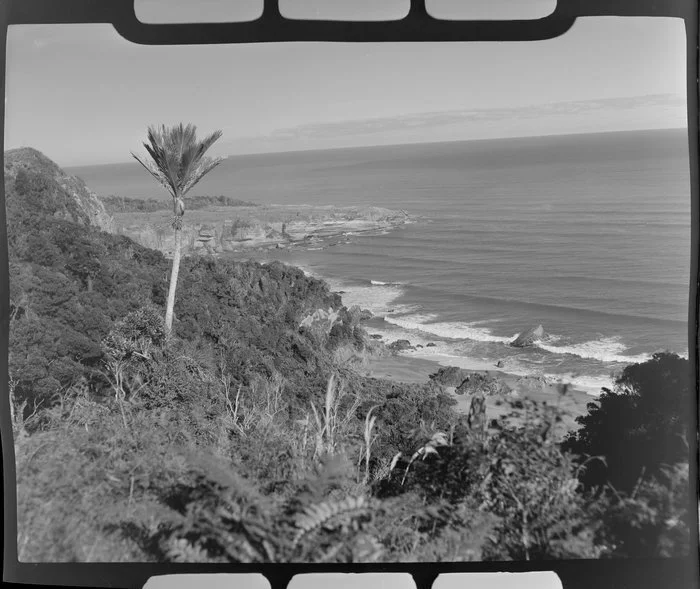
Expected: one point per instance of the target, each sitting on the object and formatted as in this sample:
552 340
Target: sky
83 95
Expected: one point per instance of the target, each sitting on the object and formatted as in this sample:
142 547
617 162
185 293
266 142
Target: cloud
433 120
584 116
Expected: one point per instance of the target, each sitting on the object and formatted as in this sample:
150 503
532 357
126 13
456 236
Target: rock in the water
400 345
376 336
430 345
366 314
499 364
529 337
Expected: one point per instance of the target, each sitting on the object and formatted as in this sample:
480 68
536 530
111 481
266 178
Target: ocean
587 235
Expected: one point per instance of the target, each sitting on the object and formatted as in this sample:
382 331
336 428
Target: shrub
533 486
137 335
639 427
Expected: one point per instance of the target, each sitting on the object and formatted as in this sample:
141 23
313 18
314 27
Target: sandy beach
417 369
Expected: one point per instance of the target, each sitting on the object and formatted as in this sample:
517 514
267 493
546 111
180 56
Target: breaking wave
449 330
605 349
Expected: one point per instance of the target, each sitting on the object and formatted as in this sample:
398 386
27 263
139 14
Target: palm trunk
173 280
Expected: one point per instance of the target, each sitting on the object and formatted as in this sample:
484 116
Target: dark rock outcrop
483 383
400 345
469 383
528 338
450 376
532 383
366 314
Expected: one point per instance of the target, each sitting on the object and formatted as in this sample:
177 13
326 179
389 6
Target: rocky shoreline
499 387
216 230
219 229
401 362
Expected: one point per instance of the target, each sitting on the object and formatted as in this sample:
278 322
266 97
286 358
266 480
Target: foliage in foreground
634 448
210 476
249 437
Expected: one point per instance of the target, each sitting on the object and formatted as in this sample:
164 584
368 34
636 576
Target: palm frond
178 161
154 171
206 166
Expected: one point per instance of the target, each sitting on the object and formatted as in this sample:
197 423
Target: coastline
305 227
417 369
217 230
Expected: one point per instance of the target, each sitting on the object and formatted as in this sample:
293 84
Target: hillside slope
70 282
70 198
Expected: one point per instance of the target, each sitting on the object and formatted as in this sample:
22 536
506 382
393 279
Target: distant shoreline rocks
218 229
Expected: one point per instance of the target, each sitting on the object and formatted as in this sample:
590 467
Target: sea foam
591 385
456 330
605 349
377 298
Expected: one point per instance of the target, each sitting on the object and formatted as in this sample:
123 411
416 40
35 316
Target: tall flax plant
330 425
177 162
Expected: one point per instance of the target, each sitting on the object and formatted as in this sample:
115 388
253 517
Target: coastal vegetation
121 204
248 433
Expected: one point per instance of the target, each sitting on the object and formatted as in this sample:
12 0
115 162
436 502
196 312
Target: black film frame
417 26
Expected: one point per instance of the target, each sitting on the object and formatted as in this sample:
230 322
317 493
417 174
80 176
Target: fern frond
318 515
367 549
181 550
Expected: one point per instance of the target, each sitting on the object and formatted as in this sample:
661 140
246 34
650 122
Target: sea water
587 235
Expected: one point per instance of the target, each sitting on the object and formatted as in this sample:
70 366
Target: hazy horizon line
377 145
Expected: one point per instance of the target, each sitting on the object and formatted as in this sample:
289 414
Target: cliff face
72 200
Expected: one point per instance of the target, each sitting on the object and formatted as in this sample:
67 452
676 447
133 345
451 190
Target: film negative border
417 26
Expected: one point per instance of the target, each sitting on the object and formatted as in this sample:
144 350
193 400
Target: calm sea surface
588 235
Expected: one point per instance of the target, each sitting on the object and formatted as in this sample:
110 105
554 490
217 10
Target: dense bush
634 447
638 428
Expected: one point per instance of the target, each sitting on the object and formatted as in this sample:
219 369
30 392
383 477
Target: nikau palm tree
178 163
